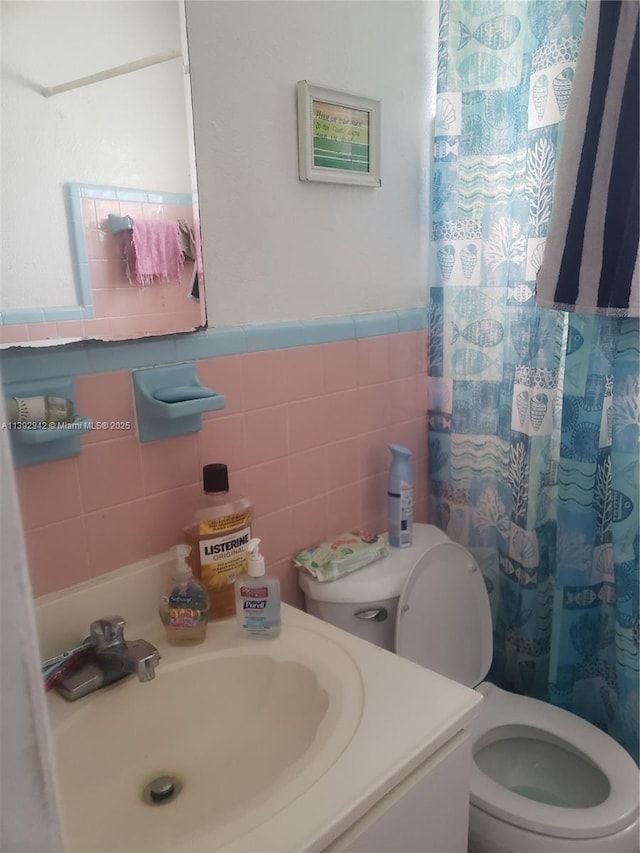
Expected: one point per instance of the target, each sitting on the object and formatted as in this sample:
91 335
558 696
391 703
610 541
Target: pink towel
154 252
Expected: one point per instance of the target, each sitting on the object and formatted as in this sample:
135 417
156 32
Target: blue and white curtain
534 414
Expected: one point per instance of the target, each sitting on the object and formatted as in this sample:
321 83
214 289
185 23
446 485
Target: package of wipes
334 558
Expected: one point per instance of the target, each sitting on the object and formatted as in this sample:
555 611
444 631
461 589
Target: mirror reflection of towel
187 240
190 250
153 252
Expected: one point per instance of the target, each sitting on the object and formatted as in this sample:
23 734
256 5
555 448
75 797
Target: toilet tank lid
379 581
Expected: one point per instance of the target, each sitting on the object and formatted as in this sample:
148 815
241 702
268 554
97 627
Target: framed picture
338 137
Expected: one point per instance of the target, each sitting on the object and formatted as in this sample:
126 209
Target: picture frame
338 136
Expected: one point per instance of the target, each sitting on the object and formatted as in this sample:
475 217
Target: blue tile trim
79 256
274 336
75 312
214 342
369 325
412 320
22 364
94 191
131 195
12 316
45 315
100 191
329 330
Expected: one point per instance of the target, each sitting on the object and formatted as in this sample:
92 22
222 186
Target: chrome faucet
108 658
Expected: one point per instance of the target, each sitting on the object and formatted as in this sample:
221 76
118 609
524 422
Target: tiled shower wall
124 310
121 310
304 432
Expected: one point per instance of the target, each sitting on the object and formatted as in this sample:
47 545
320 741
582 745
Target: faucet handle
108 632
142 658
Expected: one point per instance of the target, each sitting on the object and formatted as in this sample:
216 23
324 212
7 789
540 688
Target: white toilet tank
365 602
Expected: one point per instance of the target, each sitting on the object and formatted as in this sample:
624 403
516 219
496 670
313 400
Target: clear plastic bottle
218 537
185 610
258 598
39 410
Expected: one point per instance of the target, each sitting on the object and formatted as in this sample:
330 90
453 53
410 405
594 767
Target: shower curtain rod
155 59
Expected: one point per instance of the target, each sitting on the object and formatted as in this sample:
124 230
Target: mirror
100 234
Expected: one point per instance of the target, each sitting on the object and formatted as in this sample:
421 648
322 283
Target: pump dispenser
255 566
185 610
400 497
257 597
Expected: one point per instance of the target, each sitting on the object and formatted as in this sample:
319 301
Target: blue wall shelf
34 445
170 400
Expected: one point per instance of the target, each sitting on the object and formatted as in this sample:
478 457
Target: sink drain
161 790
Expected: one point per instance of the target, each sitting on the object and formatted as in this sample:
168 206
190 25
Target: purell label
254 604
254 598
254 592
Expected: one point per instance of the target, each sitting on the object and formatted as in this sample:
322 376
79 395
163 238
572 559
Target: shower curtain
534 414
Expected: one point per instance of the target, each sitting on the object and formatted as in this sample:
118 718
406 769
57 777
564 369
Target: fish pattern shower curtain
534 415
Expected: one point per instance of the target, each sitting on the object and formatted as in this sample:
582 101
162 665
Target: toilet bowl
546 780
542 778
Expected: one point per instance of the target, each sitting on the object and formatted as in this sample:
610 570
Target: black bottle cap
215 477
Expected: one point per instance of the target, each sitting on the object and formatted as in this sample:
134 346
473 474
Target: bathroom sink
287 744
233 734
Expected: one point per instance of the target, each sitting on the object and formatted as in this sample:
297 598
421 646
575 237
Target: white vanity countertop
408 713
403 712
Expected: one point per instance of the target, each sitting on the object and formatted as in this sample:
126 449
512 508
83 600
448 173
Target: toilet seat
446 588
503 712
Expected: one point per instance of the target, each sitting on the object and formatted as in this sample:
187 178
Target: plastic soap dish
170 401
34 445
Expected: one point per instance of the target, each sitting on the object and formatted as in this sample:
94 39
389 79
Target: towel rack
118 224
155 59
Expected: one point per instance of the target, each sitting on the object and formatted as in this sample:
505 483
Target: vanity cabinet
428 812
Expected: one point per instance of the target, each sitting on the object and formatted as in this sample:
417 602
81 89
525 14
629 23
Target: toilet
543 780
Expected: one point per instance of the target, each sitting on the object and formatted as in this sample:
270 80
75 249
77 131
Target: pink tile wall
122 310
125 309
304 433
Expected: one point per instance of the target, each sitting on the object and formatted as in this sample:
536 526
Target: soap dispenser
257 598
185 610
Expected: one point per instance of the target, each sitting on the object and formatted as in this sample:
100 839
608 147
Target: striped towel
153 252
590 260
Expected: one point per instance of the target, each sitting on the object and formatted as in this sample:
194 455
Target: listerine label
226 522
224 558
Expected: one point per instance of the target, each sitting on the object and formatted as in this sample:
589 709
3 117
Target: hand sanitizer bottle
257 598
185 610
